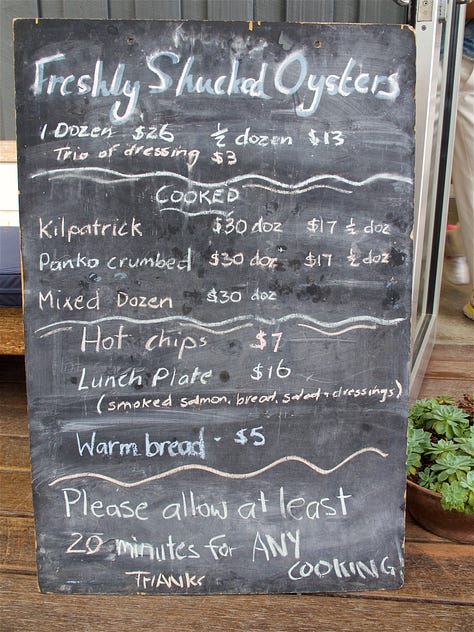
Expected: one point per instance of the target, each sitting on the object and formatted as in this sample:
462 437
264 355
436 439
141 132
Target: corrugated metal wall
386 11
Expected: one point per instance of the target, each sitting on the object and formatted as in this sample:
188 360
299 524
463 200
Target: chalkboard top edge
251 24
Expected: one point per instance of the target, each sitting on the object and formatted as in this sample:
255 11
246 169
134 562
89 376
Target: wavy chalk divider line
212 470
331 333
89 173
351 322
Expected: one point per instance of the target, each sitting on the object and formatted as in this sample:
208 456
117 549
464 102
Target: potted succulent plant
440 466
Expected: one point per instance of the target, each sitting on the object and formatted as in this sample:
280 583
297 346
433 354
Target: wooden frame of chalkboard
216 226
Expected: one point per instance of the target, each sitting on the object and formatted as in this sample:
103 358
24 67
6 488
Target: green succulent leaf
469 433
468 483
428 479
418 410
418 440
452 467
446 420
453 496
442 448
466 442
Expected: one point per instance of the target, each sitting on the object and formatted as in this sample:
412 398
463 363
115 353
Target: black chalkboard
216 229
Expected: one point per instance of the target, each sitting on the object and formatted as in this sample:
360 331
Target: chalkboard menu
216 225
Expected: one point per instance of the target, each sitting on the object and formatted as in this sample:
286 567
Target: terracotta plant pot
425 507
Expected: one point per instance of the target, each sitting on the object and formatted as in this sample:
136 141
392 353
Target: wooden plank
7 151
12 425
460 369
24 608
452 352
451 371
17 544
436 386
15 493
14 453
441 571
13 420
11 331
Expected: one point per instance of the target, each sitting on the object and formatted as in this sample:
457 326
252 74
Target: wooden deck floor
438 594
